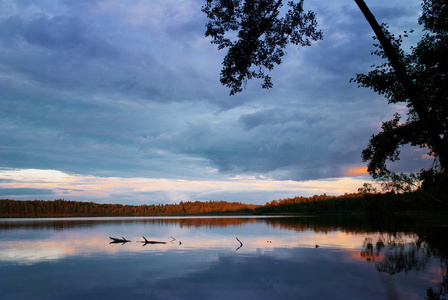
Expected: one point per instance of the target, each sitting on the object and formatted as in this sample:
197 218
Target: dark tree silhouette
64 208
424 90
262 33
255 35
402 69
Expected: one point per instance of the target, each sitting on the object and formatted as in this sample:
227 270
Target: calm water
201 258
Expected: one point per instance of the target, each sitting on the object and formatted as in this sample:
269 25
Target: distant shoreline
347 204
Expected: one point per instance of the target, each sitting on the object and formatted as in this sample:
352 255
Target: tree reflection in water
403 244
402 252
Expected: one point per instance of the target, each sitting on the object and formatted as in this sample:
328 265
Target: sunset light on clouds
355 171
114 189
120 102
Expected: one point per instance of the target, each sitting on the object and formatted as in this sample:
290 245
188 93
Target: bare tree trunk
438 146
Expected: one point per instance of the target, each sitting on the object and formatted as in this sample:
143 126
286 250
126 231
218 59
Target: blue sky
120 102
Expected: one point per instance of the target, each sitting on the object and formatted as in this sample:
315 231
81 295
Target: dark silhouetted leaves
256 34
427 67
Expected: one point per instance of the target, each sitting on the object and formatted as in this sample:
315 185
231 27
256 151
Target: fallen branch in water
117 240
151 242
241 244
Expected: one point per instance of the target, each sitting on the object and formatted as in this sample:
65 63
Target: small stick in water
241 244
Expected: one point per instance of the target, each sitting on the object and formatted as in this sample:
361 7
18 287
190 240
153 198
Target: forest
354 203
65 208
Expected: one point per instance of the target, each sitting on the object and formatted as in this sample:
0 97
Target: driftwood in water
117 240
173 239
150 242
241 244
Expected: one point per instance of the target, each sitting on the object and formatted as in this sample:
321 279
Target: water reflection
206 258
396 253
359 224
188 222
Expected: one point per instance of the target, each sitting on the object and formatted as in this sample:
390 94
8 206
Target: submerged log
241 244
118 240
150 242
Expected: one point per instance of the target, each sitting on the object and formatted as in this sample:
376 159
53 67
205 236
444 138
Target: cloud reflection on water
72 258
89 237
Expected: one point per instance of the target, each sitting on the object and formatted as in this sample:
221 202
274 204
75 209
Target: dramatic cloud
129 91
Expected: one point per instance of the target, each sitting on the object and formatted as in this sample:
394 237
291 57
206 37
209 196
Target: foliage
427 66
261 35
321 204
368 200
256 36
64 208
367 188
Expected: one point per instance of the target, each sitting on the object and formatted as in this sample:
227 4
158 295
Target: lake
221 258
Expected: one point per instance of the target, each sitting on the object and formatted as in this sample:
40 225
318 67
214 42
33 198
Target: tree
427 70
262 34
418 79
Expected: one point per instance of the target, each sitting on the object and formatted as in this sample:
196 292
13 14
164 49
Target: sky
120 102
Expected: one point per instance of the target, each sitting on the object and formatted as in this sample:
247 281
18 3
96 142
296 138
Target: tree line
353 203
360 202
67 208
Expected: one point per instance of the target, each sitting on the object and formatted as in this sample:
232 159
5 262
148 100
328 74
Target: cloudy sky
120 102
